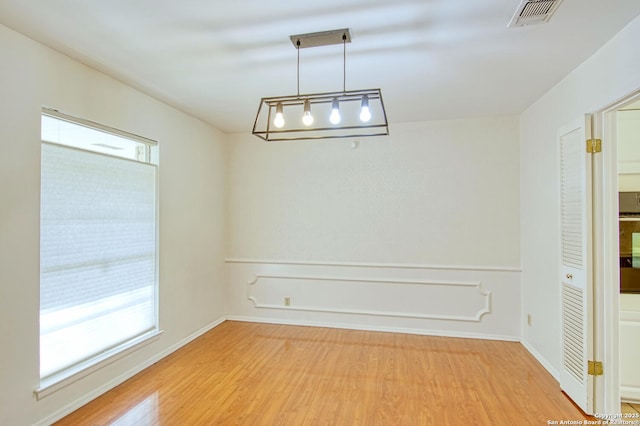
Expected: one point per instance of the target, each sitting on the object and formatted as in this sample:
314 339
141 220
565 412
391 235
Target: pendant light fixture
340 114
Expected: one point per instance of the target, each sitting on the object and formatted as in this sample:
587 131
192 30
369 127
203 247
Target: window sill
63 379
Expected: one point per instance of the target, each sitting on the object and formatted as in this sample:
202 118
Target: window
98 251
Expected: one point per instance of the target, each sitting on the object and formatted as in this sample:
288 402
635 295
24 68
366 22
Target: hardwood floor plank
264 374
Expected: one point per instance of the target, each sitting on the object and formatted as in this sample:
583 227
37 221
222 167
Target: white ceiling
433 59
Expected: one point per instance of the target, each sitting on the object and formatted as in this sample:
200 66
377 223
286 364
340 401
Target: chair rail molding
380 265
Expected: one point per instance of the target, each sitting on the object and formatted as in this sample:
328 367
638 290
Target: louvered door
576 263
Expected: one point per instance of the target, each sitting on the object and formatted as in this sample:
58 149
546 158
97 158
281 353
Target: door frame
606 313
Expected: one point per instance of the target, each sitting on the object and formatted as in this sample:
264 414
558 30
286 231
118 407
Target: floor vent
533 12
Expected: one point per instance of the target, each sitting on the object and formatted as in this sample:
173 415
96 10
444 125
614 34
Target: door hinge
594 145
595 368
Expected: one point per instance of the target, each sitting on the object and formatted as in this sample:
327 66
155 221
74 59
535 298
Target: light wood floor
262 374
630 408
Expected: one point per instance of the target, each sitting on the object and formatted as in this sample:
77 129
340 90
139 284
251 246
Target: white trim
622 102
52 112
53 384
495 268
367 280
403 330
628 167
477 317
630 318
542 360
608 392
630 394
74 405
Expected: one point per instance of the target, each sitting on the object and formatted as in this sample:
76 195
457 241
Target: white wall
436 213
193 239
434 203
610 74
628 128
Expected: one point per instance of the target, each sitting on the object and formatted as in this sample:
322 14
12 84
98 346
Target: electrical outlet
529 319
287 301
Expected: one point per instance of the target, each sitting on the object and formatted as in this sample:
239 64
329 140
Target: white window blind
97 249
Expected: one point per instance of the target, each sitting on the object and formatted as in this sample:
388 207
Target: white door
576 263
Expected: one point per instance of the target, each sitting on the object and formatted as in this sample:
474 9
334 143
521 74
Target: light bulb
307 118
278 121
335 118
365 114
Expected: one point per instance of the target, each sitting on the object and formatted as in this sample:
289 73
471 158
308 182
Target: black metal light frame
272 134
264 128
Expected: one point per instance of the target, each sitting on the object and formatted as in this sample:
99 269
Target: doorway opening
616 313
628 153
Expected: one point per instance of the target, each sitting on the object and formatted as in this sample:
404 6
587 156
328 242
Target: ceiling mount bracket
322 38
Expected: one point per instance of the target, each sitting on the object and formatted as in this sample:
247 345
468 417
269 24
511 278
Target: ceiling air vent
532 12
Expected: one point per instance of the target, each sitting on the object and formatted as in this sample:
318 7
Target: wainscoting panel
464 301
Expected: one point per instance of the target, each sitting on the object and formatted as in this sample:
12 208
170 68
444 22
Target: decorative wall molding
333 307
368 280
380 265
376 265
445 301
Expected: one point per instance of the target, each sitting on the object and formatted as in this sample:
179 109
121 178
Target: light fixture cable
344 62
298 49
